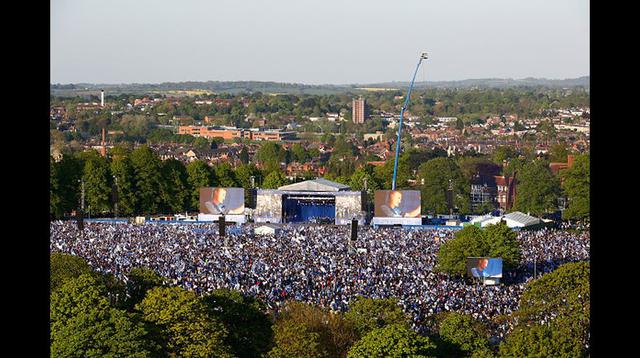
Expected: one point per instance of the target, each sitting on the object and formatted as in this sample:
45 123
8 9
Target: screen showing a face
397 203
218 201
484 267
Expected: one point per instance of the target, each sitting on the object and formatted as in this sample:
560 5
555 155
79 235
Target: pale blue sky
316 42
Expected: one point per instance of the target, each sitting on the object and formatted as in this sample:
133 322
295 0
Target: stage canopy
319 184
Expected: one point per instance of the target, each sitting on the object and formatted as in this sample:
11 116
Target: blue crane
423 56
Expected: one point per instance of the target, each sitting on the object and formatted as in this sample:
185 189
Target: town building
359 110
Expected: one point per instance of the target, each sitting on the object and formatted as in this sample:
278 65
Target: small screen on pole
484 267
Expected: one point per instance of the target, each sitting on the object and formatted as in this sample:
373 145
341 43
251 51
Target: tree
250 331
541 341
561 299
187 328
299 154
392 341
537 189
334 334
225 175
64 267
122 169
270 155
199 175
84 325
358 178
244 155
436 176
494 241
468 242
174 186
558 153
274 180
503 243
503 153
577 186
146 167
367 314
68 173
292 340
243 174
464 333
140 280
55 201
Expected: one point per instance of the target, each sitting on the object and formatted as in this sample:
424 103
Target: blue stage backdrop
301 211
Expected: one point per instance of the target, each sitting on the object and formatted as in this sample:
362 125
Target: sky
316 42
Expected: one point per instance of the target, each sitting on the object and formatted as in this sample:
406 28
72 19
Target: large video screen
397 203
219 201
484 267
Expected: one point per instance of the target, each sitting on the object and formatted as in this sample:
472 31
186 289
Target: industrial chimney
101 98
104 144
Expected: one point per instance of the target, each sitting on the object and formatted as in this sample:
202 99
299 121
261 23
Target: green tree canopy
122 169
146 166
199 175
367 314
174 186
334 334
84 325
561 298
225 175
250 331
434 177
64 267
541 341
188 330
464 333
537 189
274 180
140 280
270 155
577 186
493 241
295 340
394 340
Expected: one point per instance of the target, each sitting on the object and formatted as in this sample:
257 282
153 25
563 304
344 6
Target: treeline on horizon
481 82
141 183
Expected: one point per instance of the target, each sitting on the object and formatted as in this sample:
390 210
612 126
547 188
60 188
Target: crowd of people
315 263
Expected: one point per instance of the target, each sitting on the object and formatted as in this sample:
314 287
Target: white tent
518 219
513 220
267 230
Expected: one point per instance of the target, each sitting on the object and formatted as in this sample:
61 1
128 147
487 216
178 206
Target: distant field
193 92
376 89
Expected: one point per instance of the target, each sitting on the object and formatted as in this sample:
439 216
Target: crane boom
423 56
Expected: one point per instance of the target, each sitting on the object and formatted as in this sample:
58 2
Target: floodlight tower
423 56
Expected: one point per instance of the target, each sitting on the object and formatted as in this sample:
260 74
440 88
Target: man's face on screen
395 198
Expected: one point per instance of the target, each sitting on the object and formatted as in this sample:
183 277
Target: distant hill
494 83
235 87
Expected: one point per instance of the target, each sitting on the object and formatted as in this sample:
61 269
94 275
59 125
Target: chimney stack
101 98
104 144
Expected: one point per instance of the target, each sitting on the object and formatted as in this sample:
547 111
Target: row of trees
140 183
94 315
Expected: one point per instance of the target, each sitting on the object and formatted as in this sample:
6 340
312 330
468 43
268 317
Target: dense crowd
315 263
